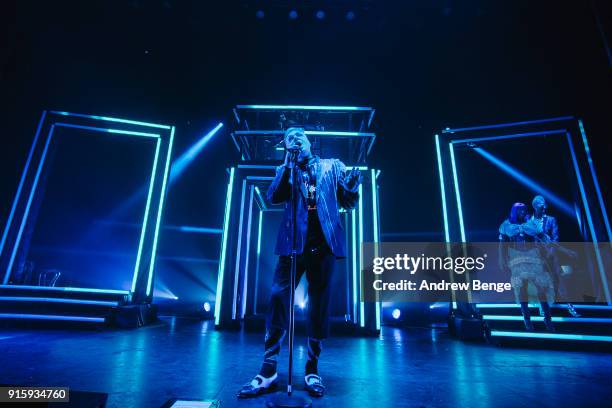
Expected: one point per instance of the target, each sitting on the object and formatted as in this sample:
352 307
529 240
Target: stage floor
406 367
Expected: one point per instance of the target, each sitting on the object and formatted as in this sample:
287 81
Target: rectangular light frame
453 139
357 235
163 136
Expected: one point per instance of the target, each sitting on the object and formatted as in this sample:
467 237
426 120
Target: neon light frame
555 336
371 137
357 235
259 229
596 180
221 272
304 107
360 218
376 233
47 119
442 189
307 132
556 319
558 306
562 131
51 317
58 300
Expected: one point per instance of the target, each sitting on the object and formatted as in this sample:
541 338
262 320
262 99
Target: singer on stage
324 187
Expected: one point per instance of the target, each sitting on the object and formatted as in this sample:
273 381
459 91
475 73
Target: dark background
424 65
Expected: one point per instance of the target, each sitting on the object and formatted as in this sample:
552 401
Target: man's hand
290 159
352 180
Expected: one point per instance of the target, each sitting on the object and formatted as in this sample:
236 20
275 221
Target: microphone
294 150
293 154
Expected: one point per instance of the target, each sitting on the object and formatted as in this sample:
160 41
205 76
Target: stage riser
604 329
504 325
553 344
555 311
55 309
51 324
57 293
33 314
559 344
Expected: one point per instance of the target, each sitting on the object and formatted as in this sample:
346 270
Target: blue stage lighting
20 187
68 289
304 107
503 125
442 189
185 159
527 181
109 119
293 15
59 300
161 206
437 305
457 194
178 167
354 256
554 319
260 14
21 316
516 306
396 313
320 14
350 15
144 227
308 133
259 232
146 217
595 180
556 336
361 304
107 130
221 273
587 210
29 203
164 294
197 230
38 173
376 234
206 307
162 291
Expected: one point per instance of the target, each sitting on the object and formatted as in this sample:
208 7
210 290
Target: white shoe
258 386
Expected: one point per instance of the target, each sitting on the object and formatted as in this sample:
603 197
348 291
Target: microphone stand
281 399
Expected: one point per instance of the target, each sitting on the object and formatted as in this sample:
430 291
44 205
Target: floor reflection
188 358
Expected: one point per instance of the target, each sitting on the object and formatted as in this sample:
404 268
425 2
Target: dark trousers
319 267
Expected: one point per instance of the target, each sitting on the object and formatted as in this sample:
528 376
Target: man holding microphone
323 187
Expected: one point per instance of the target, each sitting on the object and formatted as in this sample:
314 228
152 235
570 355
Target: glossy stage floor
404 368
